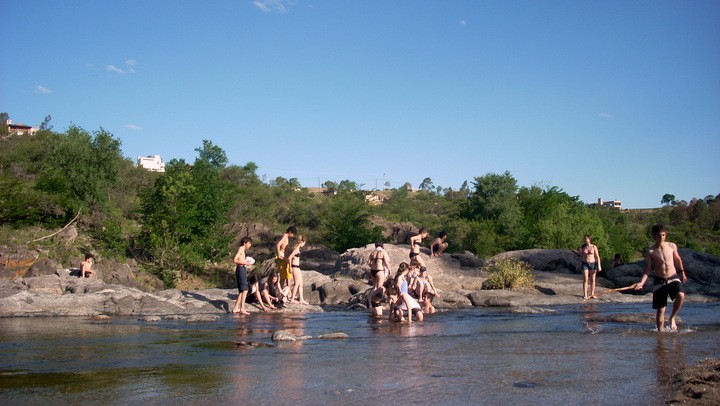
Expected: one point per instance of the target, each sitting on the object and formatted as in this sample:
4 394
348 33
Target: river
473 356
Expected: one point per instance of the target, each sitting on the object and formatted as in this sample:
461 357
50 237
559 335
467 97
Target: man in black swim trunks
664 261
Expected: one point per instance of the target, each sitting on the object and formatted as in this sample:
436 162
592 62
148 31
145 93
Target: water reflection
450 358
669 358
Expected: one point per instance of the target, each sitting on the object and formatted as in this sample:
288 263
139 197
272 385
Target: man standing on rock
283 265
242 262
663 259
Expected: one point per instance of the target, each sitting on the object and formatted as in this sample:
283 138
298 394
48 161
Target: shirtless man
242 263
86 266
664 261
283 265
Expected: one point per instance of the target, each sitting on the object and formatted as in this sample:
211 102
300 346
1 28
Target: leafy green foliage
185 213
180 220
508 274
346 224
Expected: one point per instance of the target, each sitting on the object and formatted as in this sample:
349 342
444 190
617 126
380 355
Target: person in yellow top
665 263
283 265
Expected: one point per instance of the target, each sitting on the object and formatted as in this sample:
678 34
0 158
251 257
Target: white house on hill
152 163
613 204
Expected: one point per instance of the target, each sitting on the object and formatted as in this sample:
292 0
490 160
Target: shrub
508 274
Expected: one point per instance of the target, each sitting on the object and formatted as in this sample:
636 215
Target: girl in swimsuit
379 263
424 286
416 243
590 264
294 260
400 299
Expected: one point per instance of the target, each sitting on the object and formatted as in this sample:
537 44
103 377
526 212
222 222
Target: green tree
45 125
668 199
494 201
212 154
346 224
4 117
185 214
426 185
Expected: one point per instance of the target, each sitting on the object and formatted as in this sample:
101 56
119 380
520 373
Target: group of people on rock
274 290
411 291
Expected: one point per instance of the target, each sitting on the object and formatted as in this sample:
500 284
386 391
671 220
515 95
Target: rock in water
284 335
334 336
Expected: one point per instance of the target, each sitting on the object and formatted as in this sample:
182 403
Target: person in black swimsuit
416 243
294 259
379 262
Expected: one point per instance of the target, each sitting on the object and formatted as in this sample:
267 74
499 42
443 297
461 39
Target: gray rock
284 335
457 280
333 336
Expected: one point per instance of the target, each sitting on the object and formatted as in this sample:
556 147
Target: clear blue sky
612 99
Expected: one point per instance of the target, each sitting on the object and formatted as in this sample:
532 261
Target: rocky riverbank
340 282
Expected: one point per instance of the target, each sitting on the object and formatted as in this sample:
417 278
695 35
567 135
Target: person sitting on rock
86 270
271 292
254 295
425 290
438 245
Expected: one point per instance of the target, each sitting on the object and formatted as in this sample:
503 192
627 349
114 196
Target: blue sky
611 99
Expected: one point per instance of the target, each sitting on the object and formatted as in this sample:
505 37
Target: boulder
333 336
339 291
558 261
284 335
15 262
43 266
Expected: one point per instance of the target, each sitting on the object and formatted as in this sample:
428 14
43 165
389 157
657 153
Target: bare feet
673 325
304 302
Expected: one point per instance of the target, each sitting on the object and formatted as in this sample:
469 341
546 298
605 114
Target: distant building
152 163
21 129
613 204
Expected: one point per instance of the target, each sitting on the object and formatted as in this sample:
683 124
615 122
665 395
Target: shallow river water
474 356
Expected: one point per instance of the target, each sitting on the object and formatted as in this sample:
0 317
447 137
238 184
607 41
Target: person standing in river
590 264
242 262
379 262
664 262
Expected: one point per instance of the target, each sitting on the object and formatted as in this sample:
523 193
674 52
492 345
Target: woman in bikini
294 260
400 299
590 264
379 263
416 243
